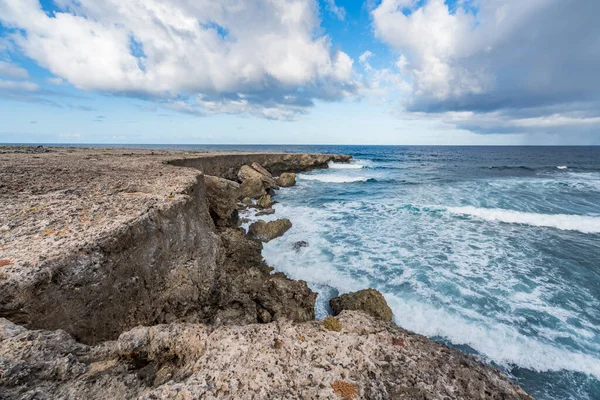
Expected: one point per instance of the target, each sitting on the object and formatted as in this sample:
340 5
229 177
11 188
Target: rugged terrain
124 274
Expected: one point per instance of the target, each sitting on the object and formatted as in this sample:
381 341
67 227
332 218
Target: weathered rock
267 231
260 169
264 201
278 360
286 179
222 195
246 173
367 300
246 287
286 298
268 211
252 188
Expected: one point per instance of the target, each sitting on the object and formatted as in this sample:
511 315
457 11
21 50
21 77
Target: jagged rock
252 188
268 211
260 169
222 195
264 201
267 231
367 300
300 244
286 298
286 179
276 360
246 173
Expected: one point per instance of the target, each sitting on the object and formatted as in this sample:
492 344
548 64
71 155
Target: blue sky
299 72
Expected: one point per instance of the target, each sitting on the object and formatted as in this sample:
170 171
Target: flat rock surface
367 359
55 200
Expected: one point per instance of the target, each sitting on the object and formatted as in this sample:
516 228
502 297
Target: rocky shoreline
125 274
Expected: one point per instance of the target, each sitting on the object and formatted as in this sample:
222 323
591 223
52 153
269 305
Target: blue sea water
493 250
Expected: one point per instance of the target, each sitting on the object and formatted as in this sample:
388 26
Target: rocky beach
127 274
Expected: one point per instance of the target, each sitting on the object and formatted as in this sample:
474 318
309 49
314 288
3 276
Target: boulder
264 201
286 179
260 169
368 300
222 195
247 172
267 231
252 188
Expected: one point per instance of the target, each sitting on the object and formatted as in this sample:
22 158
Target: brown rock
246 172
267 231
264 201
252 188
260 169
200 361
286 179
222 197
368 300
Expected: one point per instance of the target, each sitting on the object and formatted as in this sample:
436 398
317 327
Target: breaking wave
581 223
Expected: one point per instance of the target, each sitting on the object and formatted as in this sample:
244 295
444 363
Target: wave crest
581 223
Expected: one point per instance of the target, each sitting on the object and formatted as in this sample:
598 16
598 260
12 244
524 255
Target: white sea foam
561 166
498 342
333 165
581 223
333 178
330 265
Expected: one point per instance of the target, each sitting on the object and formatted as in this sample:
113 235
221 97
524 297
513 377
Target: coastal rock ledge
125 274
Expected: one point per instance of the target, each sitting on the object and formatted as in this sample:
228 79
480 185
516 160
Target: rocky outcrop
246 291
110 239
369 300
248 173
286 179
252 188
367 358
222 195
267 231
264 201
260 169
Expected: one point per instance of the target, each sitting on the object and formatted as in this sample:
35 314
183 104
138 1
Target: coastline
139 238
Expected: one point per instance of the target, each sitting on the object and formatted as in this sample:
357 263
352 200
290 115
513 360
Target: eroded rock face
279 360
246 292
222 196
286 179
368 300
267 231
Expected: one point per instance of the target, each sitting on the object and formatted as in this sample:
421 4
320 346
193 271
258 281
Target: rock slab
267 231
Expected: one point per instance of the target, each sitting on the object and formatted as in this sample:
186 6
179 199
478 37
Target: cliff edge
124 274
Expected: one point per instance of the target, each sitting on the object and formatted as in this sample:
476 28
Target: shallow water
494 250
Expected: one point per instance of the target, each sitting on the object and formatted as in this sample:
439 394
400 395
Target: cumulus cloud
497 66
205 56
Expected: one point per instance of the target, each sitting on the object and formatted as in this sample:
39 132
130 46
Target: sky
406 72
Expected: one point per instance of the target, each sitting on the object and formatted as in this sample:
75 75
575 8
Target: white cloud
12 71
183 48
364 57
515 66
339 12
18 86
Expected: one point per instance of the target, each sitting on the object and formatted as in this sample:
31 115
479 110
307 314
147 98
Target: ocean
492 250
